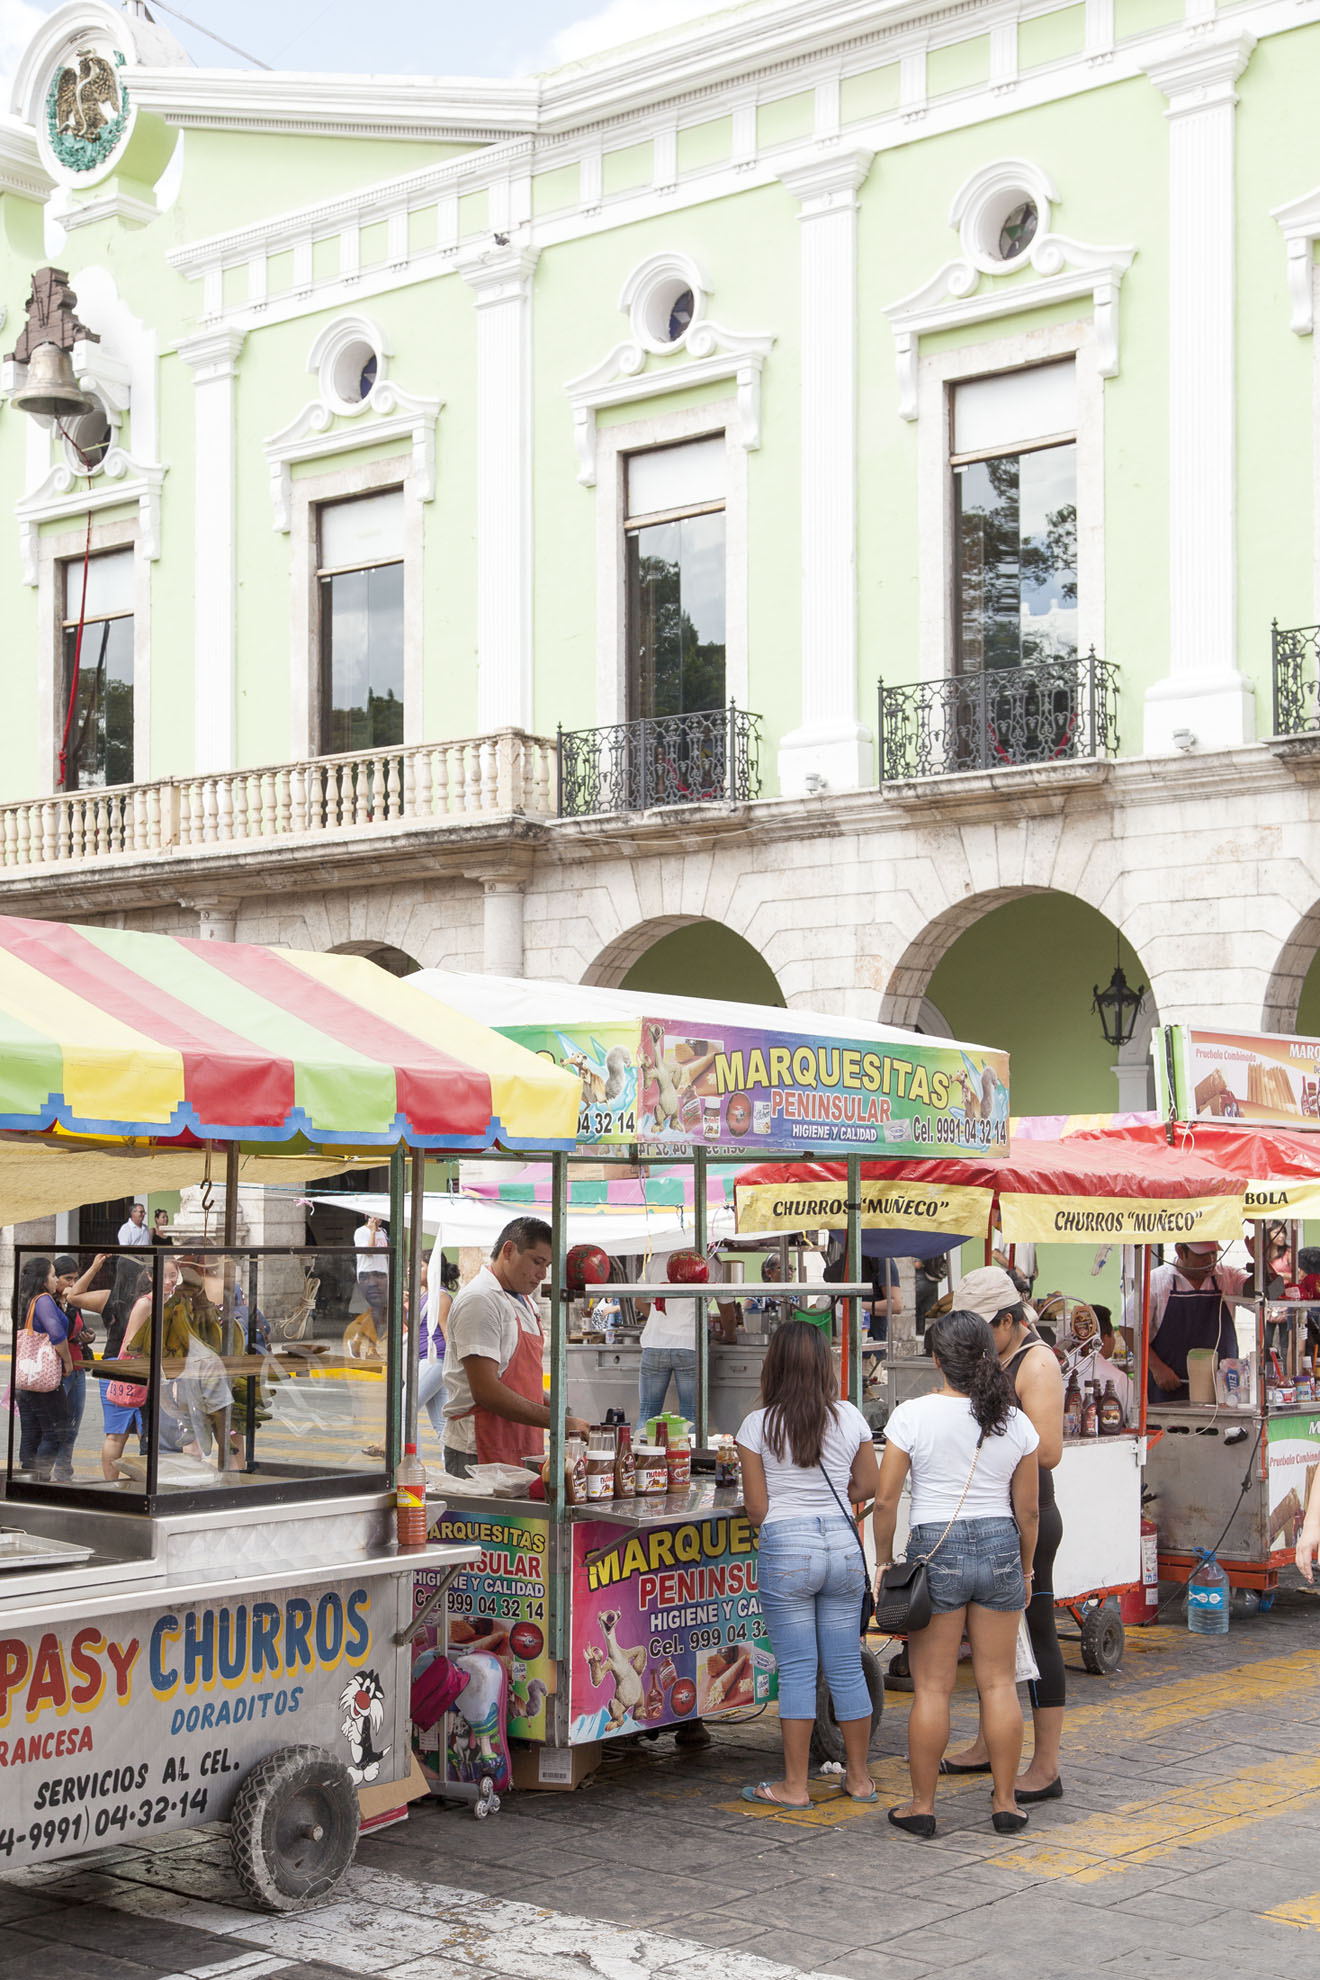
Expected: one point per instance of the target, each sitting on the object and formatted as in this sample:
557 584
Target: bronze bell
50 388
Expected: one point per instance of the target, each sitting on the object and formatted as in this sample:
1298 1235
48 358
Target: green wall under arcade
705 959
1022 979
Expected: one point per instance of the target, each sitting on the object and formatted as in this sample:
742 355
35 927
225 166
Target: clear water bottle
1207 1596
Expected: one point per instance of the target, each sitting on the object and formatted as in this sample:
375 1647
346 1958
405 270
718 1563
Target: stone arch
692 955
397 961
1283 992
629 946
906 992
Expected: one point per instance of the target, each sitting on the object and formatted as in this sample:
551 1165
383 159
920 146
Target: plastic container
600 1466
678 1462
652 1471
410 1499
1207 1596
625 1465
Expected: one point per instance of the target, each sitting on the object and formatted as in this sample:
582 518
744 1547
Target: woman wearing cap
1038 1382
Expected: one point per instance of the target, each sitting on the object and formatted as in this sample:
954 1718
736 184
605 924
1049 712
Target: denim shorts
980 1561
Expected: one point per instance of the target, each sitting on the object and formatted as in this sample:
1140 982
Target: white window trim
307 494
613 445
935 526
1067 271
51 552
714 356
313 436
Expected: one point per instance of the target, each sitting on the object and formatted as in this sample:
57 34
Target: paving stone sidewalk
1188 1839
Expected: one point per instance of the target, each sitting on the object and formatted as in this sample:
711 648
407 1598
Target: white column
213 356
217 917
1204 694
831 750
502 281
502 928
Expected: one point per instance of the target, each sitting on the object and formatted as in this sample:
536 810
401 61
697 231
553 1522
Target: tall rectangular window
360 586
96 701
675 576
1014 462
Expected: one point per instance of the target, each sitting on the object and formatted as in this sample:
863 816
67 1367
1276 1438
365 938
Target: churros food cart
641 1615
203 1611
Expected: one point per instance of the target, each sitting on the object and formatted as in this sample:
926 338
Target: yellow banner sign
1284 1199
1120 1220
896 1206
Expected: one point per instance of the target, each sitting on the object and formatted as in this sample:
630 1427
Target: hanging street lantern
1119 1006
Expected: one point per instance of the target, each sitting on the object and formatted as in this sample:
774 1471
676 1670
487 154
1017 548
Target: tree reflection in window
101 735
1016 546
676 616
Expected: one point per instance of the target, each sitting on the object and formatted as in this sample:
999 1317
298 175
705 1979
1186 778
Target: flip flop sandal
761 1793
874 1795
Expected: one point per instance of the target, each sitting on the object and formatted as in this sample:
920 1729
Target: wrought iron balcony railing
708 756
1000 718
1296 658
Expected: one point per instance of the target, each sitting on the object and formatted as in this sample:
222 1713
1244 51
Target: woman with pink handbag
41 1361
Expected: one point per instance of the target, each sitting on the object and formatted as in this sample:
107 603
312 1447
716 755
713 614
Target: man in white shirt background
134 1232
373 1280
1191 1306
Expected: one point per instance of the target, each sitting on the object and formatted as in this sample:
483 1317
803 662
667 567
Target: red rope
82 616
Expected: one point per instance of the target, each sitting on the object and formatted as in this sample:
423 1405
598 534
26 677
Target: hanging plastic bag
1025 1669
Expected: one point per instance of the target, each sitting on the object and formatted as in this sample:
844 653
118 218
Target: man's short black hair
522 1233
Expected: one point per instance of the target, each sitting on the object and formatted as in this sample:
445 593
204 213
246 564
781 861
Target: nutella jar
575 1472
600 1467
679 1467
652 1473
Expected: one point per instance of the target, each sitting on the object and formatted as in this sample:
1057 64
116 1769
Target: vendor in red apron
1191 1306
496 1412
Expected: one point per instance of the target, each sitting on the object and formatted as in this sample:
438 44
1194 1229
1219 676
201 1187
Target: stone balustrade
422 785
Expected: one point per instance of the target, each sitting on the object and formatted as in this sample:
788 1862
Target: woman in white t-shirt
805 1457
979 1537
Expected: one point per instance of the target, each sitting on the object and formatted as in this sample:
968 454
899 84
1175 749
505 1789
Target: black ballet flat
1054 1792
914 1825
953 1767
1007 1821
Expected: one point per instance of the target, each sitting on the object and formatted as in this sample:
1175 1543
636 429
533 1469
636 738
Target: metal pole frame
394 1349
853 1271
701 1329
557 1578
417 1317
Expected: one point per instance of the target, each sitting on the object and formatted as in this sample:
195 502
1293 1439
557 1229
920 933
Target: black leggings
1050 1688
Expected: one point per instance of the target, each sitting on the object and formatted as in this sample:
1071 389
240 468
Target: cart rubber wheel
826 1739
898 1676
294 1828
1103 1641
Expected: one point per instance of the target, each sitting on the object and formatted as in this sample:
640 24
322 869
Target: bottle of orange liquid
410 1499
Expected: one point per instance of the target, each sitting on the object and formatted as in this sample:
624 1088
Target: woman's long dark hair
31 1284
965 1349
132 1279
799 1392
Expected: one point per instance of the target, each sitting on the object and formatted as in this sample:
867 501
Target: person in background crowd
160 1232
805 1457
1191 1306
43 1415
883 1273
1088 1351
133 1231
1038 1383
930 1276
373 1279
120 1420
441 1285
971 1454
76 1299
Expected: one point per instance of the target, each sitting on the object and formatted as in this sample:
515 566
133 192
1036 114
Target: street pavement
1188 1840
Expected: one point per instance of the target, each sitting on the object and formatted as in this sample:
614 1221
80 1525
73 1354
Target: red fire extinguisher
1140 1604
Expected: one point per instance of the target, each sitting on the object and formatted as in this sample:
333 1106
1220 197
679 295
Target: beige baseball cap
987 1291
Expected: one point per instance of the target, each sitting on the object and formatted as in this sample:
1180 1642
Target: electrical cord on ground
1247 1483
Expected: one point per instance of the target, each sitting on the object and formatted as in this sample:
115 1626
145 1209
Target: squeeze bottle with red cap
410 1499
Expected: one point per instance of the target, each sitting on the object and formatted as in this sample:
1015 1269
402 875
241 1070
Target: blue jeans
75 1397
431 1394
809 1581
981 1562
658 1364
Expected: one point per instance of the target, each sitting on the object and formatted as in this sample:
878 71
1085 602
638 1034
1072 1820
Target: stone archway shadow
397 961
905 995
1283 993
609 968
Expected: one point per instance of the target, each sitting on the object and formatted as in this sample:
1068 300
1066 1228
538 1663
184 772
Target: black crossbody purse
904 1589
868 1604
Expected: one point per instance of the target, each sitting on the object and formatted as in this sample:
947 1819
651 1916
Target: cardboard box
386 1802
553 1767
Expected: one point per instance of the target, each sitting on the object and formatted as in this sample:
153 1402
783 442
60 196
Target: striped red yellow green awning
115 1033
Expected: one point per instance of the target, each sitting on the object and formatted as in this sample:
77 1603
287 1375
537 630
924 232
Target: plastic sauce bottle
1111 1413
625 1466
1072 1408
1091 1412
1207 1596
410 1499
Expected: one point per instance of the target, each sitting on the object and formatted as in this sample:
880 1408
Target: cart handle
403 1637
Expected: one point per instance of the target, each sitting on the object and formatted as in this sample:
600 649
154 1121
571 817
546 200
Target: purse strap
28 1327
976 1458
852 1527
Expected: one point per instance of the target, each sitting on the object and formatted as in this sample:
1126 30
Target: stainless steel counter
602 1378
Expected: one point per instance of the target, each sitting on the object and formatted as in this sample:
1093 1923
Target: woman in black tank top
1039 1385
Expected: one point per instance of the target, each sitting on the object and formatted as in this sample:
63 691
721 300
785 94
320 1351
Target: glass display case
171 1378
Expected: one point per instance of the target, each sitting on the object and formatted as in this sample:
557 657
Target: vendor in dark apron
1197 1314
